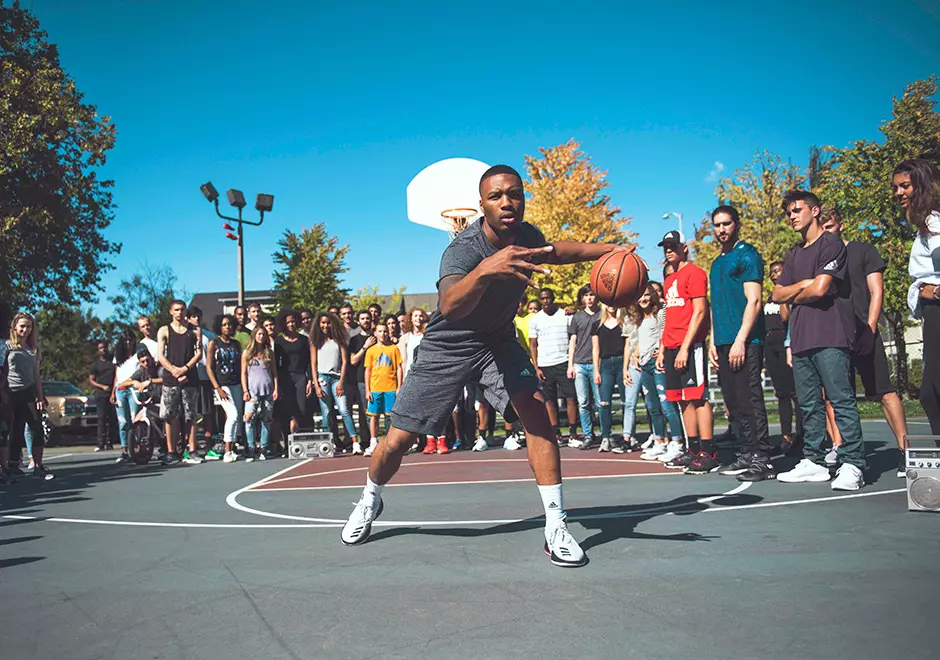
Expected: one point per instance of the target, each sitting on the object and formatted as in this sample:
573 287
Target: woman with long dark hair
21 366
393 327
259 391
292 353
329 360
223 366
916 186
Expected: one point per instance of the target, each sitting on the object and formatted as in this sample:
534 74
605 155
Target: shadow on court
610 523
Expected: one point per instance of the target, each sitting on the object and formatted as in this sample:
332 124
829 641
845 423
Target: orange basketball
619 278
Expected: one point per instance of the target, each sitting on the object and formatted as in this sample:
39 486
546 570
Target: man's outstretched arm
573 252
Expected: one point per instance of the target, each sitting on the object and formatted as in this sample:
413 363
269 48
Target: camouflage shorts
175 397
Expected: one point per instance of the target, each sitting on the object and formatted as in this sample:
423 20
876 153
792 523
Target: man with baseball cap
682 354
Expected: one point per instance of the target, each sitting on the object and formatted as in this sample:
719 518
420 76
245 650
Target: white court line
743 486
459 483
762 505
363 468
55 456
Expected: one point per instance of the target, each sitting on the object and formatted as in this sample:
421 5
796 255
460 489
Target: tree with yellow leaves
567 202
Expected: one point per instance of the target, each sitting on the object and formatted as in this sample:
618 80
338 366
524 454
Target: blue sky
334 107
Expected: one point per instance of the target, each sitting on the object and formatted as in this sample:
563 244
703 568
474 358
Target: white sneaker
562 549
848 477
359 526
577 443
31 466
373 445
674 450
357 448
805 472
605 445
229 457
649 442
480 444
654 452
512 443
832 457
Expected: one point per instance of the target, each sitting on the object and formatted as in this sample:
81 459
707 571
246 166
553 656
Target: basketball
619 278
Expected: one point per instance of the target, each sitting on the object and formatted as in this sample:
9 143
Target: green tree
567 202
756 190
53 206
857 181
147 293
311 264
365 296
67 337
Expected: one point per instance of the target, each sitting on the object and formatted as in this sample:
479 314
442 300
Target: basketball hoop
457 219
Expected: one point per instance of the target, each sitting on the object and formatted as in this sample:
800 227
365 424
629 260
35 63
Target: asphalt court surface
112 561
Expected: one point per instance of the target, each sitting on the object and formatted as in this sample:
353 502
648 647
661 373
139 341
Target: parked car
69 411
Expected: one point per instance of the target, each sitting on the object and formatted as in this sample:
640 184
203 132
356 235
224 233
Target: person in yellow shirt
382 379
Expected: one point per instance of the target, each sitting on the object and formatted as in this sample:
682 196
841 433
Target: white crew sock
373 441
372 491
554 505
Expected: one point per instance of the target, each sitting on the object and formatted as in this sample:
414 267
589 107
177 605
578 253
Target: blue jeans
630 395
660 410
829 368
328 383
126 407
585 388
259 410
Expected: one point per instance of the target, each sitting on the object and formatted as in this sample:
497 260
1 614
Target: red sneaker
442 445
430 447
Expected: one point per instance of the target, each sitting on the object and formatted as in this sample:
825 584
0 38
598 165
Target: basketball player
483 274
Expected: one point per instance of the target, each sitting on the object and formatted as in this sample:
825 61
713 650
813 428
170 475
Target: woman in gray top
329 359
21 369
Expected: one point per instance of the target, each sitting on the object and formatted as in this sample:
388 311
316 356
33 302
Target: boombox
310 444
922 456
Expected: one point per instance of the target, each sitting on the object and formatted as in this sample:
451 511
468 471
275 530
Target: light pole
263 203
679 216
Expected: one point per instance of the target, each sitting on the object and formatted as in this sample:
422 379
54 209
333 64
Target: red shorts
690 384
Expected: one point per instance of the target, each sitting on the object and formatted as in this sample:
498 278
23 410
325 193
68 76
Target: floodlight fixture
209 191
264 203
236 198
666 216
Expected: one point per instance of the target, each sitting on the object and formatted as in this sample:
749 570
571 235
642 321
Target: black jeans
107 421
781 375
744 397
23 403
930 385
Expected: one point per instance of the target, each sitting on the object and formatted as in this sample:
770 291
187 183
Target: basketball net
458 219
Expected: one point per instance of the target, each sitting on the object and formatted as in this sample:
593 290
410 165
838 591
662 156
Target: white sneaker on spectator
649 442
832 457
373 445
674 450
848 477
805 472
480 444
562 548
229 457
512 443
357 448
654 452
605 445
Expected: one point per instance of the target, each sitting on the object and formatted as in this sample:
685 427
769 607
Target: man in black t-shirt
822 336
101 377
869 359
775 361
359 343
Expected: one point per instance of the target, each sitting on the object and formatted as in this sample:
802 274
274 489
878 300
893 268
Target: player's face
802 215
776 272
533 307
503 202
833 227
673 255
902 188
365 322
726 229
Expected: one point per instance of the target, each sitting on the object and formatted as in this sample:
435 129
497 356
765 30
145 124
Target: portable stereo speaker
922 459
310 444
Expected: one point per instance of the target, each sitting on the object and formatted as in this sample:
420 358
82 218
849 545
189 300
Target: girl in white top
916 186
409 343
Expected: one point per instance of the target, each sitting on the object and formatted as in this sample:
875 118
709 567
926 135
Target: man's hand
660 361
339 388
370 342
275 395
597 378
737 354
789 357
369 396
570 373
514 262
540 374
712 355
41 404
309 388
682 359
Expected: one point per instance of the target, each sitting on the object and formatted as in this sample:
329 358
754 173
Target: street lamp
263 204
678 215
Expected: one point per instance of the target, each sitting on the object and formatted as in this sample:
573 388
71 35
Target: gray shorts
176 397
440 371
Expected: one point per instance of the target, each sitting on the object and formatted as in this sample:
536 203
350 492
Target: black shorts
872 368
557 384
690 384
440 371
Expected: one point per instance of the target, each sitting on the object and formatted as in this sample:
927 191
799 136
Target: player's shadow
612 522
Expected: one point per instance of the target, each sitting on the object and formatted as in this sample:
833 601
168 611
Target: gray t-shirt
491 321
21 364
329 360
582 326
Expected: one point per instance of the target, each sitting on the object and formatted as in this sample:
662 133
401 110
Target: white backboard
446 184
